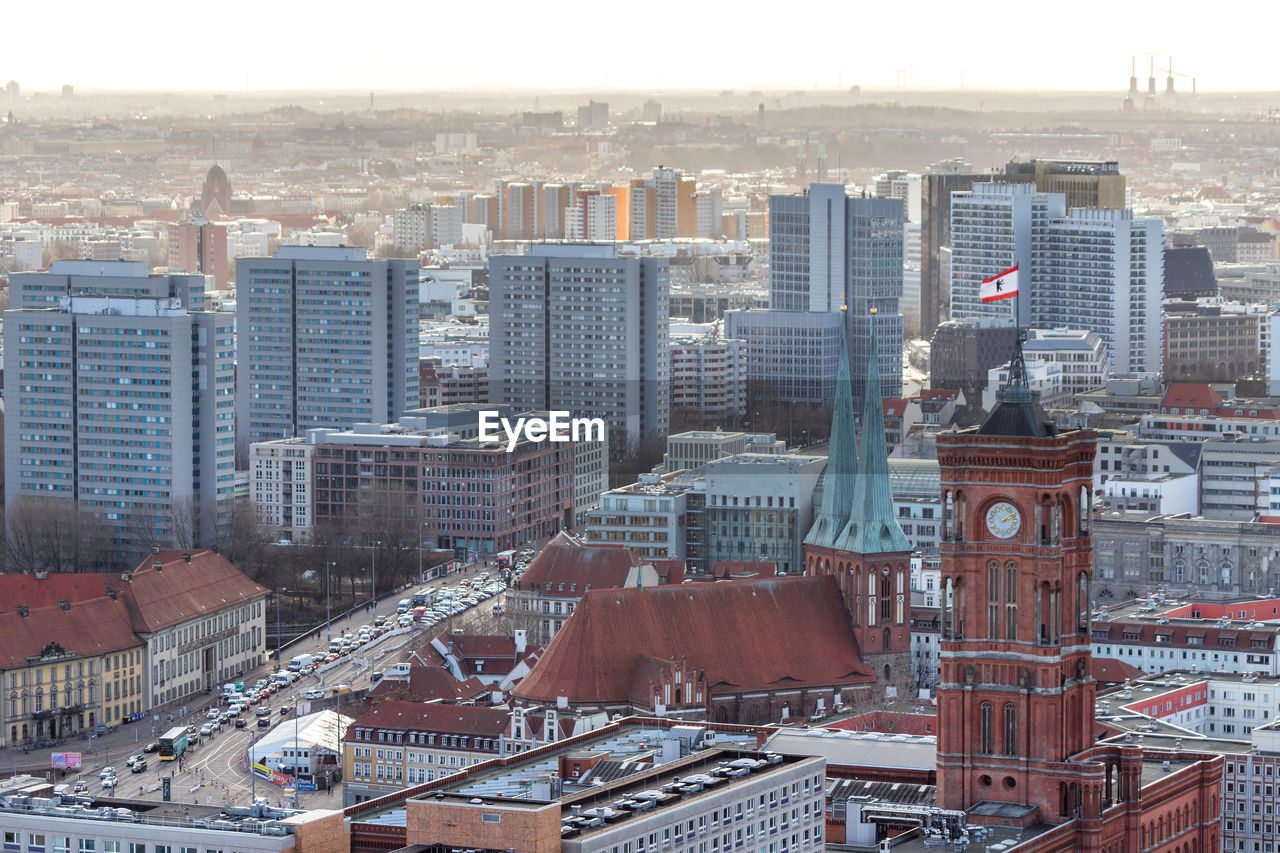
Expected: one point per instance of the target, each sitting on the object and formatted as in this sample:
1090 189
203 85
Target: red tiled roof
893 408
1109 671
432 717
1208 635
743 636
565 561
46 591
744 568
1188 395
180 590
939 394
87 628
427 683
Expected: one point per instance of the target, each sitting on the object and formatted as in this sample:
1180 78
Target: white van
404 605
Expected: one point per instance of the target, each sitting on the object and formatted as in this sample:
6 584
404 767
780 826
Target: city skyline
959 51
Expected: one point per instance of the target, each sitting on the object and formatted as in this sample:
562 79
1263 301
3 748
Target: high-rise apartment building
1099 270
328 338
198 245
579 328
663 206
1084 183
123 406
426 226
993 227
124 279
1103 270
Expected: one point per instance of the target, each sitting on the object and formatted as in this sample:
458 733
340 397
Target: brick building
1016 696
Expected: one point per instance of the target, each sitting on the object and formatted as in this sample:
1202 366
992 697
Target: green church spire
838 477
873 527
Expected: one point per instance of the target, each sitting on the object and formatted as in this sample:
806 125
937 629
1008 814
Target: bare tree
61 250
49 535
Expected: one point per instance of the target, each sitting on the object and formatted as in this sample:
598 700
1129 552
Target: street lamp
328 603
373 579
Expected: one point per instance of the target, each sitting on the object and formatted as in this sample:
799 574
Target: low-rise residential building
441 385
397 744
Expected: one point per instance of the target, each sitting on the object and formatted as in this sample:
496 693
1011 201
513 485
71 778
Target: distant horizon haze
930 46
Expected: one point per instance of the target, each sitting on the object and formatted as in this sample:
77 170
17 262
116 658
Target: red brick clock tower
1016 698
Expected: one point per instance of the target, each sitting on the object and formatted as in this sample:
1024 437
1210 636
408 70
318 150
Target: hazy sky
446 44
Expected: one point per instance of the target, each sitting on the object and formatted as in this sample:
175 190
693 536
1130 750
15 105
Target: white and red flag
1000 286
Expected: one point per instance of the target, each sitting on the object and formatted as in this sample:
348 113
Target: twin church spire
857 514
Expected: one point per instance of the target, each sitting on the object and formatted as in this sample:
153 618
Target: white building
1044 377
1083 355
1103 270
993 228
647 516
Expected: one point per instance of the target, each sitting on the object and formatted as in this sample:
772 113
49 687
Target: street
217 768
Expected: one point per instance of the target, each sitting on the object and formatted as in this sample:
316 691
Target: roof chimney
155 549
157 565
126 576
42 575
23 610
112 594
186 556
64 603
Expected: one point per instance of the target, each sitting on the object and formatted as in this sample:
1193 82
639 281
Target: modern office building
963 351
826 250
709 375
1085 183
434 470
328 338
580 328
1083 356
759 508
123 407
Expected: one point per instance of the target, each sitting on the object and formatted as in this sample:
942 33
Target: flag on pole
1000 286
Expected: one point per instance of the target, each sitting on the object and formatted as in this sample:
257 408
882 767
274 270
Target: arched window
993 600
886 594
1179 571
1010 729
985 729
1011 600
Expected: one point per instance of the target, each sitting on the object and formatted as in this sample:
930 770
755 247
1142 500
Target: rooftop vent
157 565
42 576
23 610
126 576
64 603
186 556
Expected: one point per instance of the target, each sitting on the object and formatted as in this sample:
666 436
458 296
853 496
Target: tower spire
873 528
838 478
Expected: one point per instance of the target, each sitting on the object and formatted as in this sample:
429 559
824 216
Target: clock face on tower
1003 520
